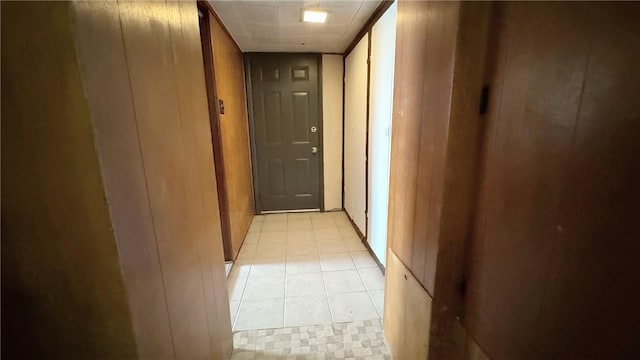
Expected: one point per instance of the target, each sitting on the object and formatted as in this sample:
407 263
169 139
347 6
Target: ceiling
275 26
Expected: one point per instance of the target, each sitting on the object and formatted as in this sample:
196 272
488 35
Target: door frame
252 133
214 123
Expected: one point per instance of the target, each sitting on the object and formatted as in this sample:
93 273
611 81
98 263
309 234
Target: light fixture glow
314 16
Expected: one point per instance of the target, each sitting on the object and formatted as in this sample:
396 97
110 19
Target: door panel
285 100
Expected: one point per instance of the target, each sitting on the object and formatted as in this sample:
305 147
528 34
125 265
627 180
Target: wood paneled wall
425 49
234 132
553 267
62 291
440 70
126 87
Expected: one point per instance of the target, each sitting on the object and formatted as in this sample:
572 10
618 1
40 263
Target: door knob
314 150
314 129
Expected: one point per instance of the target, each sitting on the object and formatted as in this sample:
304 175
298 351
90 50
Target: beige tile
354 244
275 218
377 296
260 314
299 224
233 307
255 227
344 224
333 262
257 218
299 216
322 223
372 278
300 235
274 226
362 259
301 248
274 266
304 284
347 232
302 264
273 237
251 238
236 286
342 281
307 310
270 250
266 287
247 251
241 267
331 246
321 216
351 307
326 234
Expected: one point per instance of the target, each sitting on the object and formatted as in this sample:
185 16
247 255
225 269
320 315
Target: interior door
286 130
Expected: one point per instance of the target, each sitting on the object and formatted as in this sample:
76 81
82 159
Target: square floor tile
298 216
362 259
333 262
304 284
235 286
326 234
255 227
268 250
247 251
331 246
352 306
274 226
322 223
266 287
275 218
299 224
342 281
272 237
257 218
377 296
260 314
307 310
347 232
301 248
372 278
303 264
300 236
274 266
354 244
251 238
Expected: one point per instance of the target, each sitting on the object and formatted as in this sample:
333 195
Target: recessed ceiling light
314 16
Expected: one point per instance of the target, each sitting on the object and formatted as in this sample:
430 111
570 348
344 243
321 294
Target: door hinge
484 99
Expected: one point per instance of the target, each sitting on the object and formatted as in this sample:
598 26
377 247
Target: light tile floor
302 269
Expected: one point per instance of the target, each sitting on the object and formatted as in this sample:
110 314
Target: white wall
332 74
355 134
383 43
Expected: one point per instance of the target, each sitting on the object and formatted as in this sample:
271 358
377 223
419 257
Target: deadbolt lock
314 129
314 150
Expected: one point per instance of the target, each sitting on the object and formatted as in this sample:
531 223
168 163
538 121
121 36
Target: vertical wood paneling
407 312
426 36
549 264
109 94
234 132
63 293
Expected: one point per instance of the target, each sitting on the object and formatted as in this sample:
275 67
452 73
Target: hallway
303 269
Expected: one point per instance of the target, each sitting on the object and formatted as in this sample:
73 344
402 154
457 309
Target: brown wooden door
286 130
